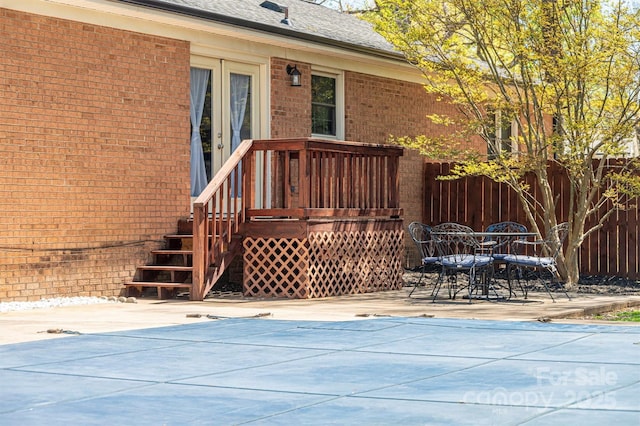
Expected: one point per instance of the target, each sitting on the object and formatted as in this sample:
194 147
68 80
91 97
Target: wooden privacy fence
477 202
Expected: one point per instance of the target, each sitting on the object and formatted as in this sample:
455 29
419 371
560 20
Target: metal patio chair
421 236
503 243
461 253
503 246
541 263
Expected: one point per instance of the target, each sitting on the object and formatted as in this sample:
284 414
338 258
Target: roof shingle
306 20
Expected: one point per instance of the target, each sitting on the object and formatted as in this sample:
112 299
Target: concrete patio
30 325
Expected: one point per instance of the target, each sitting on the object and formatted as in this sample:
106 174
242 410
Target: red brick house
96 101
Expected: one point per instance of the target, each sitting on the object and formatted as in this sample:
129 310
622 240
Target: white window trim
499 137
339 77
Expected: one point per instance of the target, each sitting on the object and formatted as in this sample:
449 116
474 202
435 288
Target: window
323 105
501 136
558 135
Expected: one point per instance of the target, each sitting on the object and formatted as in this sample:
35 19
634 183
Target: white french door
230 113
240 109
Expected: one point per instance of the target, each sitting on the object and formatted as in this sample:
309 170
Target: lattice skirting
323 264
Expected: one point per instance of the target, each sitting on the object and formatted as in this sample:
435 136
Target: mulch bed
588 284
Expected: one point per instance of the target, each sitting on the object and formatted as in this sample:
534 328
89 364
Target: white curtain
199 81
239 94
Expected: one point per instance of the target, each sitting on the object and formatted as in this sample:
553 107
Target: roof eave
243 23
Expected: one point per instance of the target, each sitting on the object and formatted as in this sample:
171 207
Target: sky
360 3
355 4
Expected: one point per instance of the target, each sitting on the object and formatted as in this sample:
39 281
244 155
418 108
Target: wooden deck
316 218
310 218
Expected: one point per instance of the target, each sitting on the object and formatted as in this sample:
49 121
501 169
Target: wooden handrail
226 170
213 229
300 178
298 144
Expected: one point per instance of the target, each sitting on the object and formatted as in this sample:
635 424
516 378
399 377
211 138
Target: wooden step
165 290
172 251
166 268
164 275
180 236
157 284
177 236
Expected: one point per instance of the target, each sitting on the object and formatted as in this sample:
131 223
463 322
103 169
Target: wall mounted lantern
295 75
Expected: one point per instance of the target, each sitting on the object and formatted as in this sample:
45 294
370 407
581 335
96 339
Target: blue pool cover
382 371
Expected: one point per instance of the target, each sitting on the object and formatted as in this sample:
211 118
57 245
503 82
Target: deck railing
289 178
304 178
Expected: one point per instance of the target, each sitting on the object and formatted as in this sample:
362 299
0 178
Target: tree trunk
570 272
568 267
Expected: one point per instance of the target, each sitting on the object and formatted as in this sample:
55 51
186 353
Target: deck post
303 180
199 253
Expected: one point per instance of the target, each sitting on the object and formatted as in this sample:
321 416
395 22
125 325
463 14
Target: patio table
487 244
489 234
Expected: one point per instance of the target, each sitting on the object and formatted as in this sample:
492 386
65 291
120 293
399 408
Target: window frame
497 138
339 101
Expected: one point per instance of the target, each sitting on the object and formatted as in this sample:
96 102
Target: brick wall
94 153
290 106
